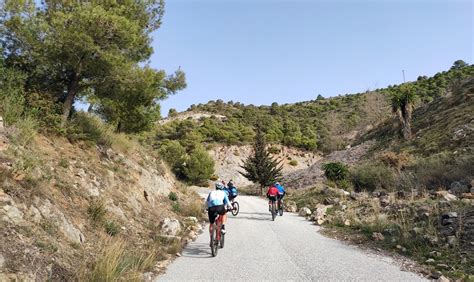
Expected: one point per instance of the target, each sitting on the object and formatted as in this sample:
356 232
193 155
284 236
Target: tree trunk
406 114
72 90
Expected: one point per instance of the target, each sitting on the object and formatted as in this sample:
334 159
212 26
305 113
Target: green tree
199 167
174 155
261 168
172 113
320 97
402 101
72 48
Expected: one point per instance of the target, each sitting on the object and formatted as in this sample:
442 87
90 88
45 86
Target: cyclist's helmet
219 186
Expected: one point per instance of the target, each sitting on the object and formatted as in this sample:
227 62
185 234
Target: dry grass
116 262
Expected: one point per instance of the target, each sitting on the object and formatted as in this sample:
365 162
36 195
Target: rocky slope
64 208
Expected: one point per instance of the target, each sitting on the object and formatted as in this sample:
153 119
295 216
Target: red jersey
272 191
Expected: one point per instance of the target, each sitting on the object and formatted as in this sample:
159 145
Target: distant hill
318 125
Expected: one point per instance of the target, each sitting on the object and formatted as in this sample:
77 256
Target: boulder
290 206
304 211
170 227
443 279
13 214
319 215
376 236
450 197
458 187
384 201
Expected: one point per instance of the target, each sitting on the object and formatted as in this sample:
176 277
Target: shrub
26 131
200 166
398 161
96 211
293 163
335 171
173 196
442 169
372 176
112 228
274 150
174 154
85 127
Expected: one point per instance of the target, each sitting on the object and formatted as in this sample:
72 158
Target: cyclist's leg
212 214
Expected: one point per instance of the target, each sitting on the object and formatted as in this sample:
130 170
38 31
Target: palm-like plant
403 99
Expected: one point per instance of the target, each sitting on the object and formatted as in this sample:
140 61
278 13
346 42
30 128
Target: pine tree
261 168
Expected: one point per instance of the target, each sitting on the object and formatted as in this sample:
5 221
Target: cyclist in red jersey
272 195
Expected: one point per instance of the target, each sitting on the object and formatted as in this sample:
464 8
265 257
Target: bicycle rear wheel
214 242
235 208
280 208
274 212
222 241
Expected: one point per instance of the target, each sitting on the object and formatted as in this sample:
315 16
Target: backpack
233 191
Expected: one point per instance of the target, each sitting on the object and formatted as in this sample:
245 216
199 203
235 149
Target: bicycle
273 208
217 238
280 206
235 207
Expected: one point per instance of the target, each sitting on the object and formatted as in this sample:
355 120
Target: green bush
88 128
173 196
174 155
199 167
335 171
112 228
293 163
96 211
273 150
442 169
373 176
26 131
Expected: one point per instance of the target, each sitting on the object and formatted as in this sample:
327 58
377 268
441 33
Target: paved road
289 248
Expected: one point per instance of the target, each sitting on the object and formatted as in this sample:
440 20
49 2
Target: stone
452 241
450 197
290 206
430 260
347 222
384 201
467 195
304 211
35 214
13 214
170 227
450 215
443 279
147 276
191 219
457 188
376 236
319 215
436 274
435 254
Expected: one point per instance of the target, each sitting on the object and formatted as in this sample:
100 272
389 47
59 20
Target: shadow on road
253 218
255 213
198 250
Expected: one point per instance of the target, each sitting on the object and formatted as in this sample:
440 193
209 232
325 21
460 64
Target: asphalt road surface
289 248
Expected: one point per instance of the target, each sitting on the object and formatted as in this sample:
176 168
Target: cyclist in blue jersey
217 201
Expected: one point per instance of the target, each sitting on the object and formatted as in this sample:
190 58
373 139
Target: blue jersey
280 188
217 198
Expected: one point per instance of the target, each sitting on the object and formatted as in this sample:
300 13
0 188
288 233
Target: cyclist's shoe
223 231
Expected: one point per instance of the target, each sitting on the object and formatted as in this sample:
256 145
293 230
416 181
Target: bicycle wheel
273 211
222 241
280 208
235 210
214 242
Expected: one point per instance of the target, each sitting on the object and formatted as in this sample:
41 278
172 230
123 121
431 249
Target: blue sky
263 51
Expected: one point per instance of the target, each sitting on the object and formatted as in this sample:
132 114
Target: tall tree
71 47
261 168
402 100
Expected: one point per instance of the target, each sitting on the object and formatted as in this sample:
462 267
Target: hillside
80 211
318 125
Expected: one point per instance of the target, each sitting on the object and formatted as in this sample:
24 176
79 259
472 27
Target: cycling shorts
212 212
272 198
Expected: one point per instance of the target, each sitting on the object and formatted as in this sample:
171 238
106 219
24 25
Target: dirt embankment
62 205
